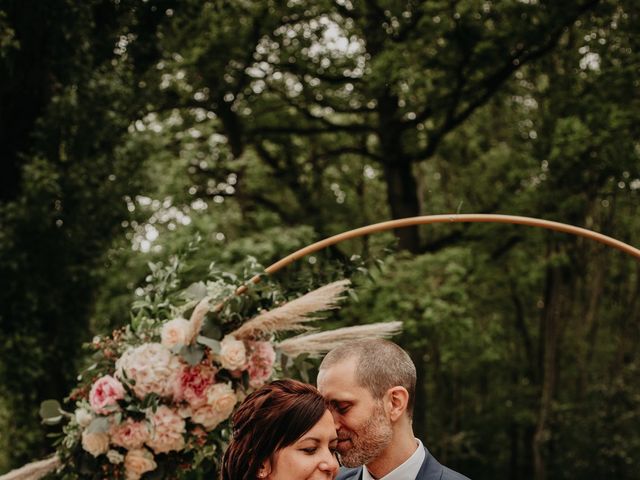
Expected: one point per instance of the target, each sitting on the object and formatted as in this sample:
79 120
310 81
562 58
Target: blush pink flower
167 430
138 462
129 434
193 383
96 443
104 395
261 361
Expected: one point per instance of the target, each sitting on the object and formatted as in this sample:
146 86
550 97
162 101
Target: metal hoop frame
447 218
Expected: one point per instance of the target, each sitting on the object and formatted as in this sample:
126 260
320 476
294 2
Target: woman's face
311 457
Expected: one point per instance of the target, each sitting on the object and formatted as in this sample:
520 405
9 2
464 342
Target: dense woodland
130 127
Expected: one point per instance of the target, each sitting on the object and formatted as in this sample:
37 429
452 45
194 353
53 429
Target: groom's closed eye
341 407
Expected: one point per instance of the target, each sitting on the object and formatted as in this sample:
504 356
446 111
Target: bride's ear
264 470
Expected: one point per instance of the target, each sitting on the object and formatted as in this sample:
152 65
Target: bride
282 431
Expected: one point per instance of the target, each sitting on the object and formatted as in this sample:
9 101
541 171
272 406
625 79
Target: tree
68 97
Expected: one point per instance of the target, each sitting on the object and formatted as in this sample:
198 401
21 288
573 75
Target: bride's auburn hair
271 418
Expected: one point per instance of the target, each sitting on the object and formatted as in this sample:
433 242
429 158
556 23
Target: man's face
364 430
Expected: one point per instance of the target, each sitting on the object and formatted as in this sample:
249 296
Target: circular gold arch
446 218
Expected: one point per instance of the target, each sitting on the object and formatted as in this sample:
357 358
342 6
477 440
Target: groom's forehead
339 380
340 372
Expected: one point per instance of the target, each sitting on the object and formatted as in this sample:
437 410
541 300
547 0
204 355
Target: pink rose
96 443
261 361
138 462
167 432
233 353
129 434
193 383
104 395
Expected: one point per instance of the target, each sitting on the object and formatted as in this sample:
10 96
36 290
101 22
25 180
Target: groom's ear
397 401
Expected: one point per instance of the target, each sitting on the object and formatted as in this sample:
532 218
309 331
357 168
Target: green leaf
299 361
50 412
98 425
196 291
211 330
214 345
192 354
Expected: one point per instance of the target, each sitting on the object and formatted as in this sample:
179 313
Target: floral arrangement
157 400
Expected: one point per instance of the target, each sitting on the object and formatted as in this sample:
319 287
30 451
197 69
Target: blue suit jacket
430 470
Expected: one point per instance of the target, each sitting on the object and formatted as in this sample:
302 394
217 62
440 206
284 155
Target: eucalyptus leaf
192 354
214 345
50 409
98 425
52 420
196 291
211 330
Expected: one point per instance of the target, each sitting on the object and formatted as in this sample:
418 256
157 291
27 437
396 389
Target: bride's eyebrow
313 439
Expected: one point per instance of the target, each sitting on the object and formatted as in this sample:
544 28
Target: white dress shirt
408 470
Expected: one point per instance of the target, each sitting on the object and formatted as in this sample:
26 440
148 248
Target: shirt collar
409 469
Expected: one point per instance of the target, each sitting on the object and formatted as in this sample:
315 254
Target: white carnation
149 368
83 417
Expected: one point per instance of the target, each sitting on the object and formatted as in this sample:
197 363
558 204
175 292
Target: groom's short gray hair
380 365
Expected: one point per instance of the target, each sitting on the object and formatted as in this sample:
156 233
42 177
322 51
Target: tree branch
491 84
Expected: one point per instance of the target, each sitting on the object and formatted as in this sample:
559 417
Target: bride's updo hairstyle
271 418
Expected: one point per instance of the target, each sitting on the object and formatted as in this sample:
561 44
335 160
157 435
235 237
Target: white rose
233 353
115 457
176 332
222 397
138 462
83 417
208 417
220 402
96 443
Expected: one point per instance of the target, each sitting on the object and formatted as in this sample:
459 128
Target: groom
370 386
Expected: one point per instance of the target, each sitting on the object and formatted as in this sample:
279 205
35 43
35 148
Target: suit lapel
431 469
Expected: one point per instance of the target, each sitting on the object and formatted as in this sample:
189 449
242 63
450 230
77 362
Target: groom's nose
336 420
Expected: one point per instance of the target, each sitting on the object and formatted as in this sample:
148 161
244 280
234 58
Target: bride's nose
329 464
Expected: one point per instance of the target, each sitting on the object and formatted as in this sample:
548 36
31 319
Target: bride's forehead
323 430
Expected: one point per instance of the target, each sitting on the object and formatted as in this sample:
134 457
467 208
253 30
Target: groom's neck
403 444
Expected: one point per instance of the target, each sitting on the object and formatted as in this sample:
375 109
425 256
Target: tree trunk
549 350
402 188
403 202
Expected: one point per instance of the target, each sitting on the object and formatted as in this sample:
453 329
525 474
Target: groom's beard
371 440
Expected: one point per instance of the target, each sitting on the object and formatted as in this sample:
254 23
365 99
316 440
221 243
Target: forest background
128 128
